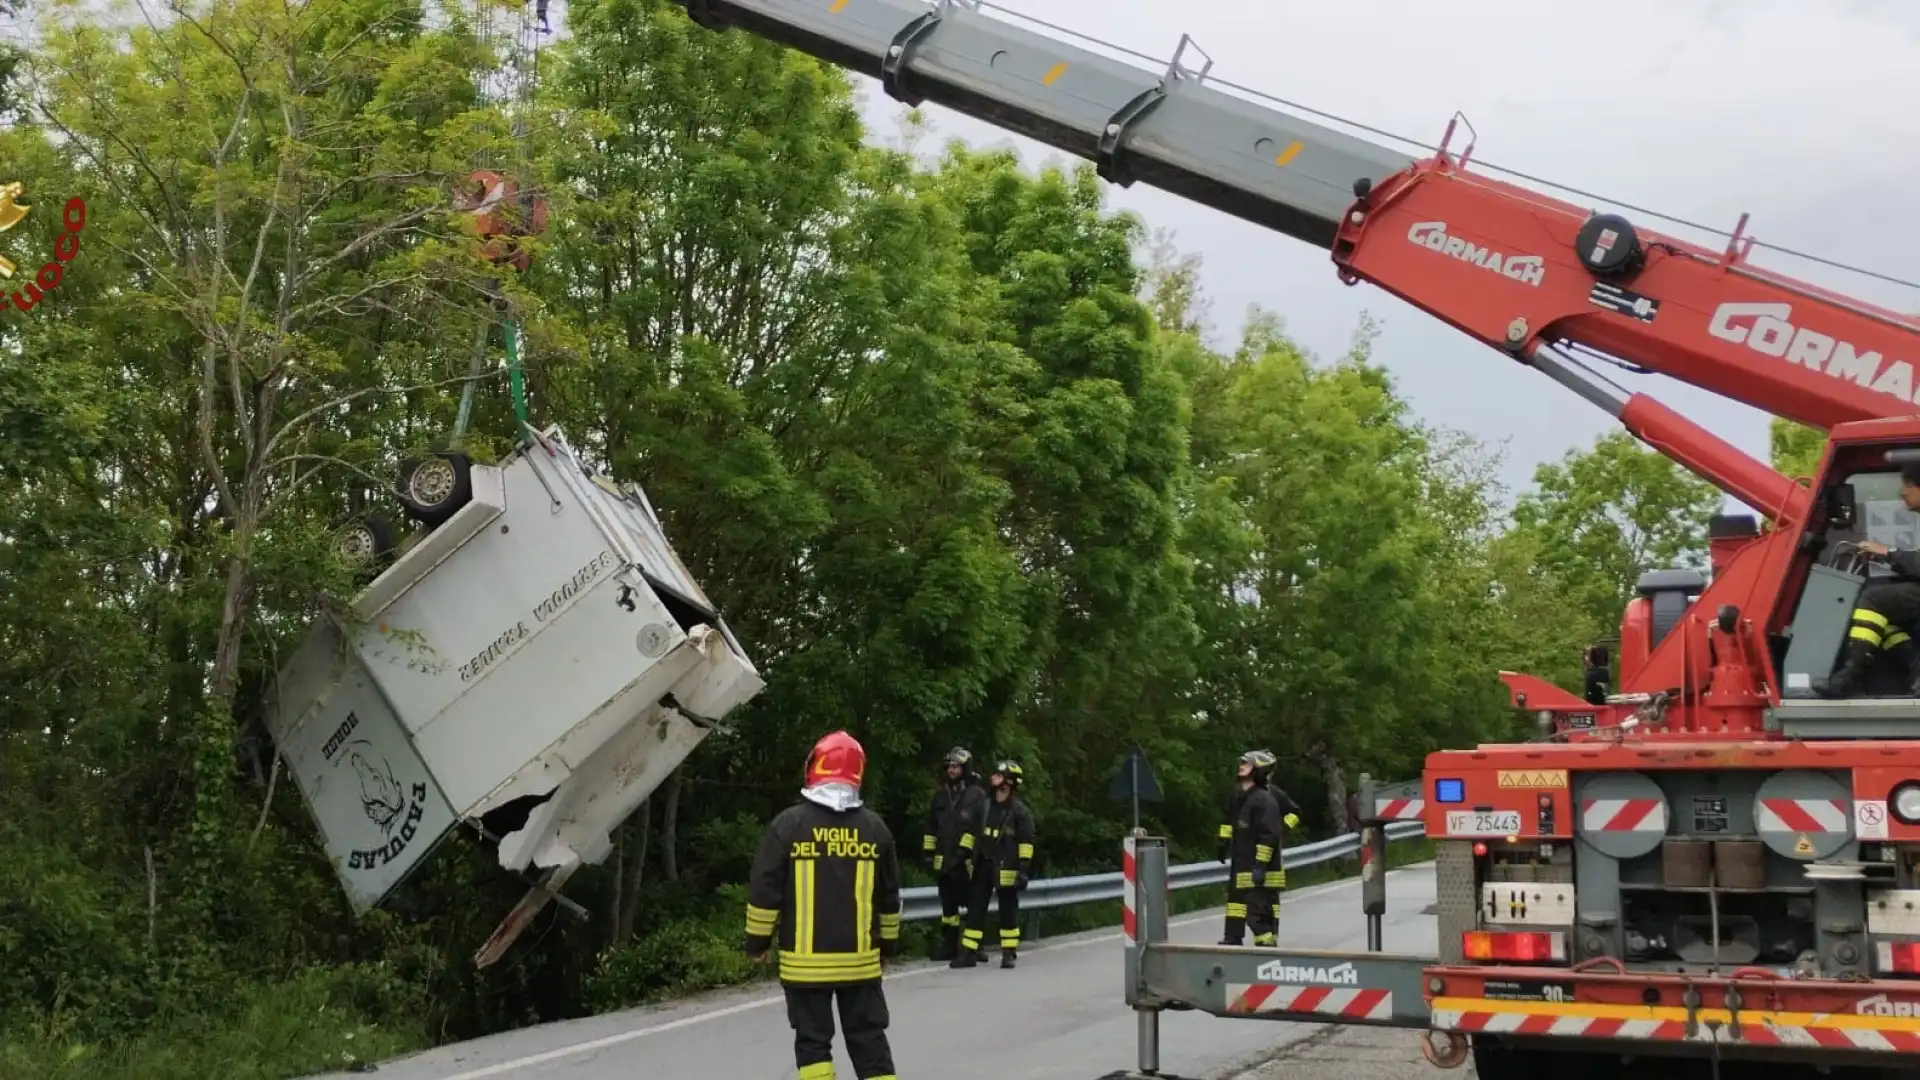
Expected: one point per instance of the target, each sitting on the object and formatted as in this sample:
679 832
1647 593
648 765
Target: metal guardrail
923 901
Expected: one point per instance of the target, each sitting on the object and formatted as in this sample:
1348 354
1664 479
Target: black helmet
1010 770
1259 765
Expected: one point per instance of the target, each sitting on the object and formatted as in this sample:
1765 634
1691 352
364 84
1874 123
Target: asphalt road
1059 1016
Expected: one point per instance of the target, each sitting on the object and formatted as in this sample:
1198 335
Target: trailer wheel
365 543
434 488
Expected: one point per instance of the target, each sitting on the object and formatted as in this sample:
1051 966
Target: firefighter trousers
864 1017
953 899
980 892
1251 907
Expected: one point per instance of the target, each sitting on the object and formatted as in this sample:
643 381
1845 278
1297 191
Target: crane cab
1862 498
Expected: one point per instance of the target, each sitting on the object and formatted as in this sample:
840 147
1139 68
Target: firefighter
1274 881
955 803
1252 841
825 887
1885 612
1002 846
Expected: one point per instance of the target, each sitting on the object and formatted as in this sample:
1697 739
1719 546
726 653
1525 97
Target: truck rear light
1905 803
1522 946
1899 957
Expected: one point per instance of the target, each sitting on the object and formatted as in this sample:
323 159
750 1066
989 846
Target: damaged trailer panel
535 666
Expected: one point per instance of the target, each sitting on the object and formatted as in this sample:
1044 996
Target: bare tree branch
344 399
363 241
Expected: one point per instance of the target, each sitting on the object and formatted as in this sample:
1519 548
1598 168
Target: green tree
1596 521
1795 448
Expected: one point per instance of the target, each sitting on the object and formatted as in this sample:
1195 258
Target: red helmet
836 759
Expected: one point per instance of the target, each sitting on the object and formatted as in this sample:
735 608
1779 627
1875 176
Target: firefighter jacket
1252 831
1275 874
825 888
954 806
1002 839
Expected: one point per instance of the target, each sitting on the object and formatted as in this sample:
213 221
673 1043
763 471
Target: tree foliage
942 437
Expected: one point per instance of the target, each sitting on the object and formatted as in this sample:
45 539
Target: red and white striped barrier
1129 882
1624 815
1805 815
1399 809
1354 1004
1839 1031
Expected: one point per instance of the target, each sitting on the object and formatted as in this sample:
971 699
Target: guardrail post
1144 896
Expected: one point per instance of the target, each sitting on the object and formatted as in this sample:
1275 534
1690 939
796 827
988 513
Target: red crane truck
1711 863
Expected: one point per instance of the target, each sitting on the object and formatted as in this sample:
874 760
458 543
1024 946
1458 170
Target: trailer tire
365 542
435 487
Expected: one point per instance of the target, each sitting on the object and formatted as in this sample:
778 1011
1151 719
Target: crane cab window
1879 513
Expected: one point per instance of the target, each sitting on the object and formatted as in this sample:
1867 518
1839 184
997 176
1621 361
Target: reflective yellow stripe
1009 938
1026 851
1263 939
1226 832
890 926
1262 853
1243 881
830 967
967 842
802 912
1865 633
1844 1021
926 842
1274 879
820 1070
1898 637
1871 618
760 921
945 920
1292 821
863 905
971 938
939 861
1236 911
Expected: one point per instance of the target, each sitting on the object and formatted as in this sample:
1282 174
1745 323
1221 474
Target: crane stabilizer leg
1172 129
1703 453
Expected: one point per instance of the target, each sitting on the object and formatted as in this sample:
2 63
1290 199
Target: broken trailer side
535 665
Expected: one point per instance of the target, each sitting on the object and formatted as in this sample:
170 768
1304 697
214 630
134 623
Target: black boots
1907 657
965 959
1855 660
949 946
1007 957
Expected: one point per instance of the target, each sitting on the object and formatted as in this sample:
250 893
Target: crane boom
1512 267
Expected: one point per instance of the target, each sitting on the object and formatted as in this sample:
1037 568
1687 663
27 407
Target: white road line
603 1042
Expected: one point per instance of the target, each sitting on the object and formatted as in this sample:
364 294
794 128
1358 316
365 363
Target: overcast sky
1805 114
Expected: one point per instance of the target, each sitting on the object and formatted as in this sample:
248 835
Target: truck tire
435 487
1494 1059
365 543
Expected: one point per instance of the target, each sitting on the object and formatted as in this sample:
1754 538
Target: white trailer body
544 641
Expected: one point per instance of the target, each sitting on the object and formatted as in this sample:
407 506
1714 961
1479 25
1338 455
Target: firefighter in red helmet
825 887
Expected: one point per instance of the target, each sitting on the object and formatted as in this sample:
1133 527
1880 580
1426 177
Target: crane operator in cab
1885 612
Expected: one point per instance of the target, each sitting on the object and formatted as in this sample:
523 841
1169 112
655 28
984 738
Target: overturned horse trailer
534 665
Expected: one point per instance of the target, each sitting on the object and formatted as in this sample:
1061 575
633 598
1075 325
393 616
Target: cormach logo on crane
1275 971
1768 329
1526 269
